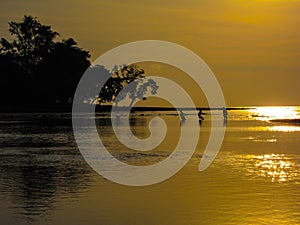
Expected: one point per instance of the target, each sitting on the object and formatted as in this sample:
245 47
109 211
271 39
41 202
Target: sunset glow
251 46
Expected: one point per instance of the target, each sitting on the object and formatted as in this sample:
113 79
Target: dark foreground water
255 178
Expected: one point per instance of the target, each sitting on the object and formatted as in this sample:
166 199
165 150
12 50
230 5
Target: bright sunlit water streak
268 113
285 128
275 166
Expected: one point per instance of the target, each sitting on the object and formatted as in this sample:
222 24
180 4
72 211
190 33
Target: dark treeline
36 70
39 73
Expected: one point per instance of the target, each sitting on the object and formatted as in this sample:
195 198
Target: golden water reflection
285 128
272 112
281 118
277 167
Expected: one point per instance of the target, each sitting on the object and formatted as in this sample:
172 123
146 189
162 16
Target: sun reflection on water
279 118
268 113
277 167
285 128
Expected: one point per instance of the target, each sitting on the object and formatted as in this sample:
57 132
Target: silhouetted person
200 115
224 113
182 116
200 122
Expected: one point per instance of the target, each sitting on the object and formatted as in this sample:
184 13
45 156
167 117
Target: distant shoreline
103 108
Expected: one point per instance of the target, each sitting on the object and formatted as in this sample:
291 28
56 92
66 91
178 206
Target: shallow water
255 178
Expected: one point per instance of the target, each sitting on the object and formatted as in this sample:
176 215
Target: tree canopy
116 81
121 77
36 70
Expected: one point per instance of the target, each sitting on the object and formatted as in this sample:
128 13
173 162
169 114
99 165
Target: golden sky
252 46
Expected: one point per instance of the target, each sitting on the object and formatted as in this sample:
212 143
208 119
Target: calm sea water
255 178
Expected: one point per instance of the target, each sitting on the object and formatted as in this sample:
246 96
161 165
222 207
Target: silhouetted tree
36 69
120 78
31 45
141 89
61 72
